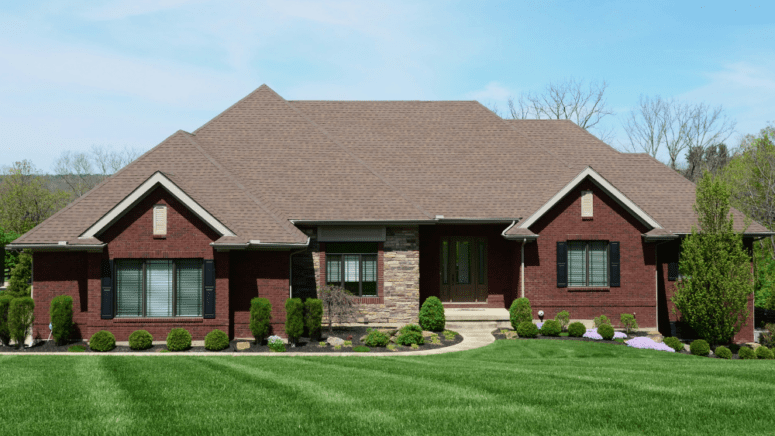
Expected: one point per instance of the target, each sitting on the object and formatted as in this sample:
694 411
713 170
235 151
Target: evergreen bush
21 274
216 340
410 334
294 319
674 343
260 318
61 318
140 340
763 352
564 319
5 331
519 312
699 347
576 330
21 315
432 315
103 340
526 329
178 339
313 317
628 322
376 338
746 353
606 331
551 328
600 320
723 352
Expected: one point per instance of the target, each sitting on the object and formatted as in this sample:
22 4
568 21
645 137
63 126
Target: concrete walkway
475 335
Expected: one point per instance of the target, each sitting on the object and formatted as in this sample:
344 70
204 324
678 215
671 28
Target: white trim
140 192
601 182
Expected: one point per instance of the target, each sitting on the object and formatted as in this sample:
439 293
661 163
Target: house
394 200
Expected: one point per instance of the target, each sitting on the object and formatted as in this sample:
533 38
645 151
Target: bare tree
568 100
646 126
76 171
110 161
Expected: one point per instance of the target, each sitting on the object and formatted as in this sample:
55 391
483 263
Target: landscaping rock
511 335
427 334
334 341
753 345
243 346
655 336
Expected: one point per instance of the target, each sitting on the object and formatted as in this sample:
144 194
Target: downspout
290 269
522 267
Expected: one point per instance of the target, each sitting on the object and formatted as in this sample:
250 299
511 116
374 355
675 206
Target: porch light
541 315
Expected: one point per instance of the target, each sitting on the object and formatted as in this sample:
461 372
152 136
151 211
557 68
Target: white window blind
158 288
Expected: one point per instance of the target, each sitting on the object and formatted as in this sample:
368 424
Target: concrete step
483 314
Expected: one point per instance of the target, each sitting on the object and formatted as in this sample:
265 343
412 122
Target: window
588 263
352 266
159 220
158 288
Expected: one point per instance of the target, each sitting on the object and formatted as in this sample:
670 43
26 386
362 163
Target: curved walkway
473 337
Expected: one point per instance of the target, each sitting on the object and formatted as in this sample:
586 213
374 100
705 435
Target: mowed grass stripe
510 387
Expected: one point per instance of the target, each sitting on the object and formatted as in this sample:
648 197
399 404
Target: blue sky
130 73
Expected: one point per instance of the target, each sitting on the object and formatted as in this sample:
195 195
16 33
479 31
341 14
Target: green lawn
537 387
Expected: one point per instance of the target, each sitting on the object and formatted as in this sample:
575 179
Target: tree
717 281
21 275
10 259
713 158
568 100
24 199
77 169
339 304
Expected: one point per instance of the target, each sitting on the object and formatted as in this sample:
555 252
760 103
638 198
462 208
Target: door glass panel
463 257
444 262
351 273
482 266
158 288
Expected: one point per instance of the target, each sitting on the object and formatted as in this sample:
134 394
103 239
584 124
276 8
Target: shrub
551 328
526 329
20 318
103 340
520 312
339 304
140 340
564 319
767 338
19 283
410 334
746 353
734 348
699 347
763 353
294 319
313 317
628 322
576 330
61 318
276 344
376 338
5 331
260 316
361 349
606 331
449 335
76 348
723 352
432 315
600 320
674 343
178 340
216 340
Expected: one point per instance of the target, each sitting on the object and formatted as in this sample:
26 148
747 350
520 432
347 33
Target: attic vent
159 220
586 204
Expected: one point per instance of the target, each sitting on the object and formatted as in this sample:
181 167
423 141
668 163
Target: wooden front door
463 263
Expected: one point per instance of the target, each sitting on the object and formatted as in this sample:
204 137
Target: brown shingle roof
265 161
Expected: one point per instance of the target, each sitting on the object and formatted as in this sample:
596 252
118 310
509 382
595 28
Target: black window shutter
614 261
106 271
562 264
672 271
209 307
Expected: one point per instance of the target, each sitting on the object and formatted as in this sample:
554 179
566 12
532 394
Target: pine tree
717 281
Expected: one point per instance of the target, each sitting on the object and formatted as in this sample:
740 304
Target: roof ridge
290 228
263 85
359 160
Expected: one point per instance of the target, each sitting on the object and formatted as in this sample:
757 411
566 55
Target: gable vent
586 204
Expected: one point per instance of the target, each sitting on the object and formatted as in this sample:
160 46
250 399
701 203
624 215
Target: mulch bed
304 345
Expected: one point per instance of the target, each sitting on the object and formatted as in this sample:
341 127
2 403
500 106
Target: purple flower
593 334
648 344
539 324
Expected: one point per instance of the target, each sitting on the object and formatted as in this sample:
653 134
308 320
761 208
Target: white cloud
491 91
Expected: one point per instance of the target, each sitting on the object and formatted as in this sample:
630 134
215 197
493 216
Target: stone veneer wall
401 277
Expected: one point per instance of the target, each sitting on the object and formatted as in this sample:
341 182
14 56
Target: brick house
395 201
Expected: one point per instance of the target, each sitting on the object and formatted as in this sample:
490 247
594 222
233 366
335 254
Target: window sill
180 319
159 236
589 289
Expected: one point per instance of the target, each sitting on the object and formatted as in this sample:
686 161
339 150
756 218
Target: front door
463 270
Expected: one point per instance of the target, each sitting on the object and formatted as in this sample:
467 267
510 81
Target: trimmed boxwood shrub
5 331
746 353
674 343
178 340
21 315
763 352
216 340
376 338
103 340
294 319
61 318
520 312
410 334
564 319
432 315
527 329
606 331
551 328
723 352
140 340
576 330
260 317
600 320
699 347
313 317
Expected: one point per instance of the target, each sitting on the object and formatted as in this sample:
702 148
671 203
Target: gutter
56 247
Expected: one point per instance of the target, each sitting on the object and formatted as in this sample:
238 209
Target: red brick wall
258 274
59 274
637 293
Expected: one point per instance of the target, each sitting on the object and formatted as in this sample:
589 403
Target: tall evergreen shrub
5 331
294 319
260 317
20 318
61 318
520 312
313 317
19 283
432 315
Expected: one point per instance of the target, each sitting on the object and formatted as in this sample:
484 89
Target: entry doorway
463 270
